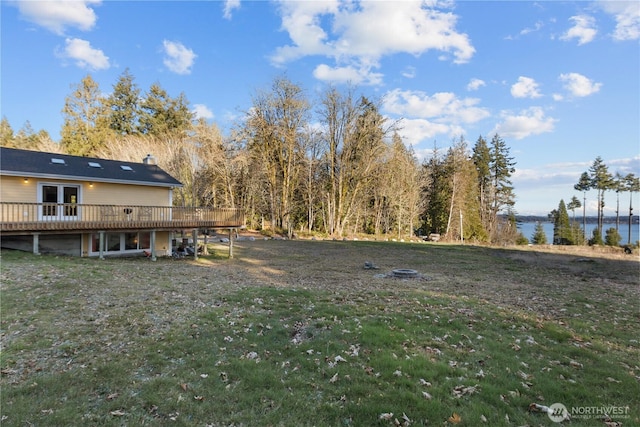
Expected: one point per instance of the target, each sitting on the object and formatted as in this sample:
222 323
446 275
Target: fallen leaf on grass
386 416
462 390
184 386
199 398
425 383
117 413
536 407
405 420
455 418
426 395
112 396
334 378
524 375
576 364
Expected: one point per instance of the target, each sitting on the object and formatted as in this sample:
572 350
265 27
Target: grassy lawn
299 333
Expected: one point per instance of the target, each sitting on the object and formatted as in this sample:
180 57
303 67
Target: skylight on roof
125 168
94 165
57 161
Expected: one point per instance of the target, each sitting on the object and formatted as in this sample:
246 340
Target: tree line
332 165
598 178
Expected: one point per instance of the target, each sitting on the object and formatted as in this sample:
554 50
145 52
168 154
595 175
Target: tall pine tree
123 106
501 166
601 180
162 115
482 161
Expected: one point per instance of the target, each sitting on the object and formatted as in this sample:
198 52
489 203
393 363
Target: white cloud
179 58
56 15
526 87
416 131
201 111
579 85
358 34
443 106
409 72
584 29
537 27
347 74
229 6
84 55
529 122
475 84
627 16
424 116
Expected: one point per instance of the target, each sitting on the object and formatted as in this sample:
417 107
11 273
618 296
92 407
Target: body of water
528 230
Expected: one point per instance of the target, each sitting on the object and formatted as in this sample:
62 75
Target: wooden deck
21 218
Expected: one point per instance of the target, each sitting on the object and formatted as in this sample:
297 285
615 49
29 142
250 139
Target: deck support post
36 243
231 233
152 243
195 243
101 245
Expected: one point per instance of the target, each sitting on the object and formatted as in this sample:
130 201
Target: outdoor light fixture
91 184
26 180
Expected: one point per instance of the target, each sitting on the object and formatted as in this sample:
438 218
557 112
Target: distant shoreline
635 219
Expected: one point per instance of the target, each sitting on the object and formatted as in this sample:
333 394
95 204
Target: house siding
119 194
14 189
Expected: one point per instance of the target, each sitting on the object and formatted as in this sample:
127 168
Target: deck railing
19 217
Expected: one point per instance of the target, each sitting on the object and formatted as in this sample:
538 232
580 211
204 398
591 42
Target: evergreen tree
437 193
576 232
86 123
584 185
482 160
123 105
501 167
601 180
162 115
561 226
612 237
539 236
596 237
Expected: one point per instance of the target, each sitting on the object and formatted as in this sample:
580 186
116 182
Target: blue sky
558 81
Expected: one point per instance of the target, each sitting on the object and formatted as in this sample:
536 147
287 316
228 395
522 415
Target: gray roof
38 164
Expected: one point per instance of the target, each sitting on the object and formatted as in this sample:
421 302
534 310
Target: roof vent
57 161
149 160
